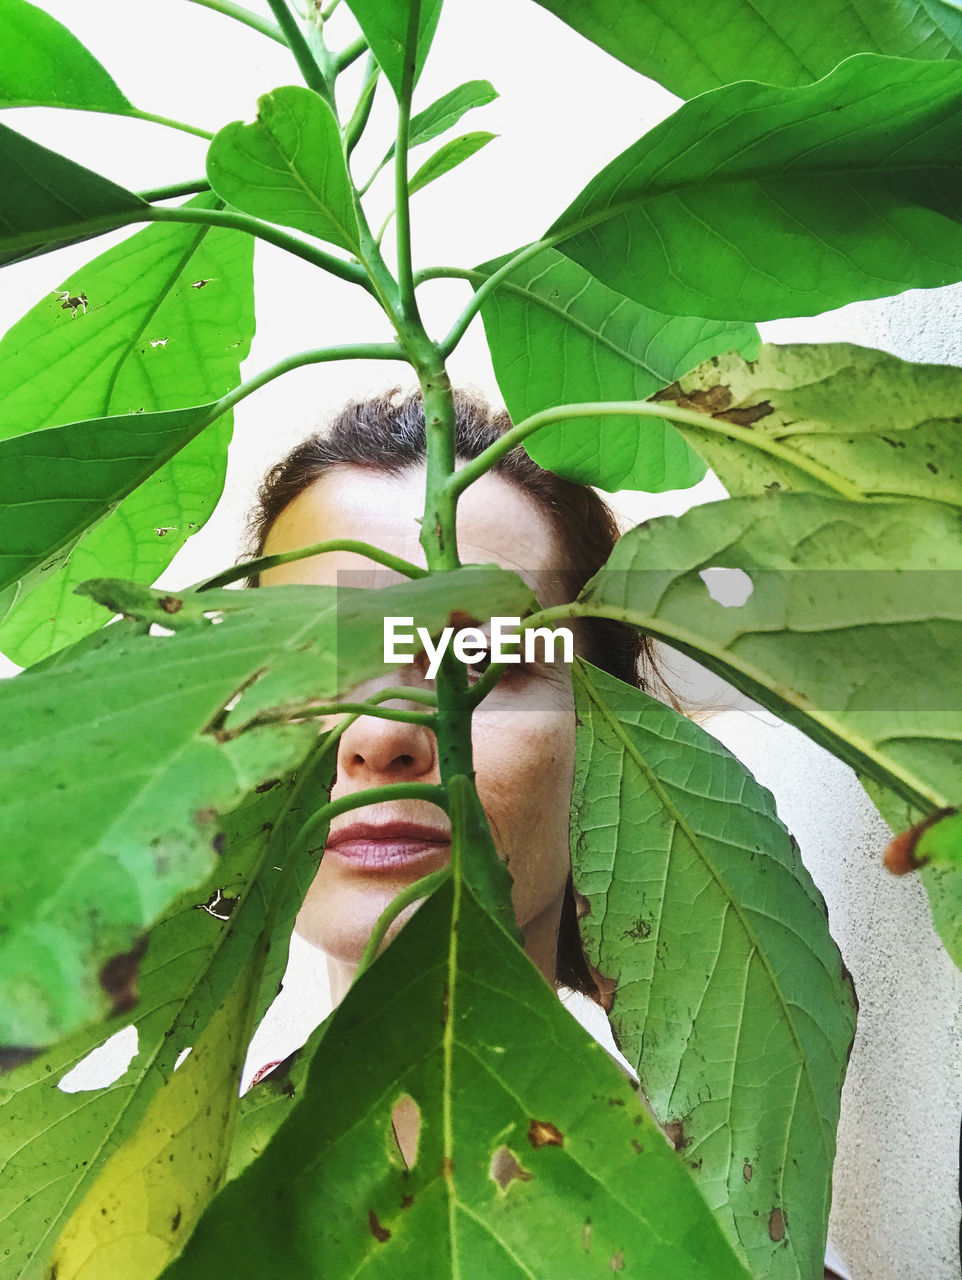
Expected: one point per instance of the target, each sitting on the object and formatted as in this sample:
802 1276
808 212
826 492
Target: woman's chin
341 924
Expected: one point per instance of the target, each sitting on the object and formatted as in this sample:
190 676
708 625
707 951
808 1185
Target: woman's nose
386 750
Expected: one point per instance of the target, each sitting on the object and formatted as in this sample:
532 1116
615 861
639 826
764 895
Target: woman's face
523 731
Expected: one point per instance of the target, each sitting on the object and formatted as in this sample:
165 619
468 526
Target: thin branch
460 325
322 355
294 37
249 19
471 471
349 54
429 791
358 122
301 711
262 563
169 123
402 212
349 271
194 188
422 888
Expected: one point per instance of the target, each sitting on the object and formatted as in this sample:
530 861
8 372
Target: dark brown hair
387 435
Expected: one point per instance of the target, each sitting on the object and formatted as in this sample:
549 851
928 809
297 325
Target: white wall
565 109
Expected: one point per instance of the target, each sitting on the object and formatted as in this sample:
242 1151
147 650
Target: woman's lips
390 846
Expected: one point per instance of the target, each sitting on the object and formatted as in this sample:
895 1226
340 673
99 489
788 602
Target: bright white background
565 109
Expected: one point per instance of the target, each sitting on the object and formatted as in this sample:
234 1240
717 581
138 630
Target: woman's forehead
498 523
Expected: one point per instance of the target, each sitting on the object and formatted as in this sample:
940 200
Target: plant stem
349 54
329 10
358 121
176 190
413 893
460 325
649 409
358 799
250 567
168 122
240 14
285 714
349 271
402 210
294 37
361 351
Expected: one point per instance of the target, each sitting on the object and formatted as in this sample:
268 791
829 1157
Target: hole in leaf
406 1128
729 587
157 630
104 1065
183 1056
505 1168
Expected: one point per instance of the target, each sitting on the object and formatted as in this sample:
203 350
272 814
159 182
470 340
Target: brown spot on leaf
900 857
776 1225
542 1133
618 1260
586 1236
444 1005
203 817
637 1146
716 402
640 930
219 842
269 785
407 1201
175 1221
447 1167
505 1168
747 1171
377 1231
118 976
171 604
15 1055
749 415
933 468
676 1135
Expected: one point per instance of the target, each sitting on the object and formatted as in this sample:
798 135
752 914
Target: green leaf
944 888
851 631
152 1190
111 800
448 157
169 318
53 1142
759 39
385 26
46 198
558 336
526 1164
445 112
47 510
51 67
729 986
753 202
288 166
819 414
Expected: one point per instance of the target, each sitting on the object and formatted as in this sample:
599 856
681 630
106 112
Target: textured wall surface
896 1205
